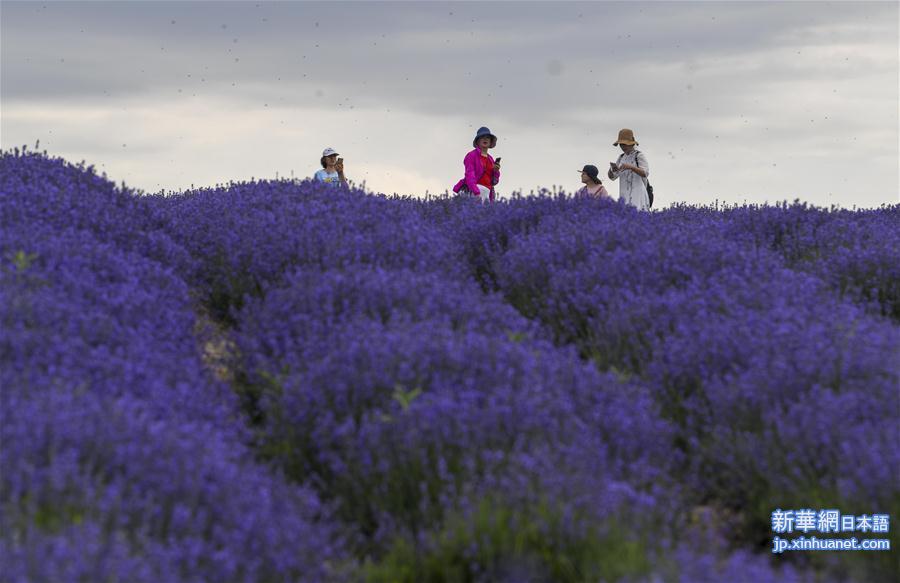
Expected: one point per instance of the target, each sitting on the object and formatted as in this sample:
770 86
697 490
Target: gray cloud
414 55
794 78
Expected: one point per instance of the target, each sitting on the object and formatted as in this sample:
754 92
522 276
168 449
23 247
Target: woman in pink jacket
482 171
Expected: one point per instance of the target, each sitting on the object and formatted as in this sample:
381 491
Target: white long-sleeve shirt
633 187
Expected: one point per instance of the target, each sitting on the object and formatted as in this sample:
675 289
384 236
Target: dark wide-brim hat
626 136
591 171
482 132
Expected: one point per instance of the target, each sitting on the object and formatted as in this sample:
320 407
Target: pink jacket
474 170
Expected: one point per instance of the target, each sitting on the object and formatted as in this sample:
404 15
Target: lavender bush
248 236
757 364
857 253
121 459
400 394
53 193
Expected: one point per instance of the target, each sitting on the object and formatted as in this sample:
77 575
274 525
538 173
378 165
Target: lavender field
279 381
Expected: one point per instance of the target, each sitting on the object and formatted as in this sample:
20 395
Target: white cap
328 152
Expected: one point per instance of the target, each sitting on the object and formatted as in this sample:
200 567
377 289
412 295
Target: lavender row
757 364
419 405
375 372
857 253
39 190
121 459
441 424
247 236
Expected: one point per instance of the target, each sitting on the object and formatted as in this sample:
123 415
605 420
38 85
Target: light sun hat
626 136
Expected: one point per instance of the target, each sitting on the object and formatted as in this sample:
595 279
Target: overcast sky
735 101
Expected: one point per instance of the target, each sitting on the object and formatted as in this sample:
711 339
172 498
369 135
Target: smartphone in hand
498 159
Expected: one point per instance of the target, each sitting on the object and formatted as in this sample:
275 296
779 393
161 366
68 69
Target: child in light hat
332 171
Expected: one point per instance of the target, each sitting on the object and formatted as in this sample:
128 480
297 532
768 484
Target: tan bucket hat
626 136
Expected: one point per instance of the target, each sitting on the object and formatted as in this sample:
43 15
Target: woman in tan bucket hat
633 169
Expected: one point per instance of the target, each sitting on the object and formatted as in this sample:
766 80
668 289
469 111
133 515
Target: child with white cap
332 171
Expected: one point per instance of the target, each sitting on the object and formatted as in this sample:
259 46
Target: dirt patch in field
217 348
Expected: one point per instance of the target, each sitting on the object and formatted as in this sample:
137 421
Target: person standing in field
482 172
332 171
593 187
631 170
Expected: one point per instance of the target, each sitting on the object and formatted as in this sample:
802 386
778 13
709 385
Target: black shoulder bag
649 187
